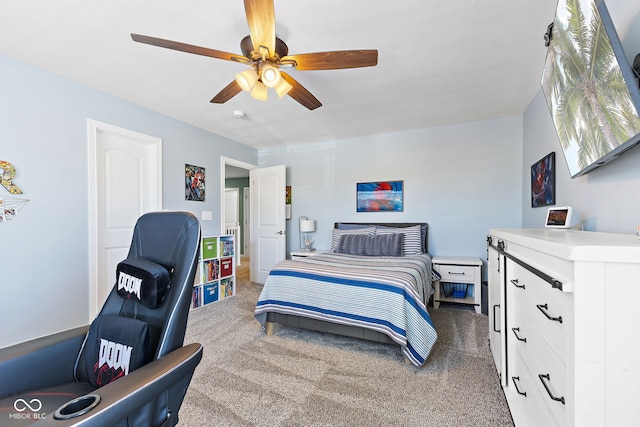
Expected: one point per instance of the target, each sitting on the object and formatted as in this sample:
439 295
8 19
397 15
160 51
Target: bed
374 284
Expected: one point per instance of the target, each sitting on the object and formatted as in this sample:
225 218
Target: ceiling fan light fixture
259 91
283 88
247 79
270 75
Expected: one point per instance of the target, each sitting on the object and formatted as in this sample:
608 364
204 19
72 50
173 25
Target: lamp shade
259 91
270 76
283 88
247 79
307 226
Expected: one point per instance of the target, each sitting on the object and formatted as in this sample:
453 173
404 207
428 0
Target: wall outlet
207 215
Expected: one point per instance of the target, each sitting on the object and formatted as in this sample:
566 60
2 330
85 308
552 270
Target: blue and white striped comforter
385 294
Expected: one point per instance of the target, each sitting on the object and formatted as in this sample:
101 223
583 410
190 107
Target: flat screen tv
589 86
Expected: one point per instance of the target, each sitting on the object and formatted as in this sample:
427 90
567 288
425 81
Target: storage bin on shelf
455 290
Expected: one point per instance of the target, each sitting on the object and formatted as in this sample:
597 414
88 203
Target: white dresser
564 325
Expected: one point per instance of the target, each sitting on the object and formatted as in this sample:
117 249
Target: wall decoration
9 205
6 179
380 196
287 202
543 181
194 183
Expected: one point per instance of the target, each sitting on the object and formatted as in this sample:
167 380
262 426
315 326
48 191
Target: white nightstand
299 254
460 282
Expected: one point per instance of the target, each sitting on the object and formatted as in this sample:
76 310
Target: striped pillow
412 243
343 226
337 235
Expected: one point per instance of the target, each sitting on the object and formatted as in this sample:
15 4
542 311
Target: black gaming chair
129 367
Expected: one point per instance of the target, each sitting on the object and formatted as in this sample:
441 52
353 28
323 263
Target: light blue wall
43 133
462 180
608 198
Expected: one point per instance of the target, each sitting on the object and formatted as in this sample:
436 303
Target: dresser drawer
550 376
548 309
457 273
527 404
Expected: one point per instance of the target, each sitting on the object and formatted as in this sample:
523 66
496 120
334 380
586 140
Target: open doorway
234 209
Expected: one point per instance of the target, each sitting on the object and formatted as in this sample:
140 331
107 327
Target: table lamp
306 226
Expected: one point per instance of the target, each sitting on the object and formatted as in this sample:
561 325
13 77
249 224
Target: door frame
94 127
246 226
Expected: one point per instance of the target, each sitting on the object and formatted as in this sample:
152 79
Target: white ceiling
440 62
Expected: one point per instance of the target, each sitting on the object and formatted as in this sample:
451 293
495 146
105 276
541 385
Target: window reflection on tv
591 92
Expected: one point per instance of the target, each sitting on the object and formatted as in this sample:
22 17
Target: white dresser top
576 245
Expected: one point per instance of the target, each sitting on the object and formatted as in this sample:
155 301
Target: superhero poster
543 186
380 196
194 183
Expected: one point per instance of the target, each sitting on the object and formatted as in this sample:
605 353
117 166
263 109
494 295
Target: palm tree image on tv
585 89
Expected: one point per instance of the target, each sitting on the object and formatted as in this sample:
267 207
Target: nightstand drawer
298 255
457 273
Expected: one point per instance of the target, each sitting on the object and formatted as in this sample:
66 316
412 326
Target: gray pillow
337 235
371 245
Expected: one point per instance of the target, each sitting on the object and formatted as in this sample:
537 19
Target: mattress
383 294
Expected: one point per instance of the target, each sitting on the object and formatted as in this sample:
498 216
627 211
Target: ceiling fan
267 55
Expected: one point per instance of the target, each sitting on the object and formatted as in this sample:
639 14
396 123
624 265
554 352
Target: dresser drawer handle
494 318
517 284
543 308
459 273
515 332
515 384
546 386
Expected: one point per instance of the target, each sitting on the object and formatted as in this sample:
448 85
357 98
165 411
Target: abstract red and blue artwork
543 183
380 196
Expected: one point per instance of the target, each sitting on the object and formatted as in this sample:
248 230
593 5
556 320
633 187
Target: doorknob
281 232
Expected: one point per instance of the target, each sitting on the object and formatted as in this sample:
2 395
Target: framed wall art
543 181
380 196
194 188
287 202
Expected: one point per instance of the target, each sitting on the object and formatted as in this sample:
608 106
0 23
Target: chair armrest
41 362
123 396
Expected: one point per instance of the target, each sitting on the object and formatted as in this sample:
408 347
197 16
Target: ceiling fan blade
261 18
189 48
231 90
334 60
300 94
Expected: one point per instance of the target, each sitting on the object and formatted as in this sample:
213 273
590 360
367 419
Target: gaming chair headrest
142 281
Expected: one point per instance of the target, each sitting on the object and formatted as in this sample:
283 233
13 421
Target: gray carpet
305 378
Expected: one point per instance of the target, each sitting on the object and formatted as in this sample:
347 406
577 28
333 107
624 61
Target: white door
125 176
268 231
231 206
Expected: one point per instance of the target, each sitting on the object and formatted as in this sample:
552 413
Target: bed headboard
423 226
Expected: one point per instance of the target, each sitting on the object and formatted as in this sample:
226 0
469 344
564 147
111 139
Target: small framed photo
543 181
380 196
